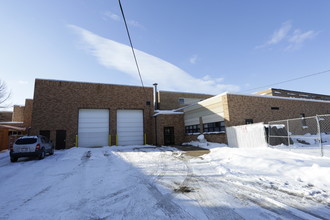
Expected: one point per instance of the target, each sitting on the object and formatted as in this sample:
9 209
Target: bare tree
4 94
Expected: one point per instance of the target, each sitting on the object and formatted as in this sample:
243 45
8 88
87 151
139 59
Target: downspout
156 96
156 108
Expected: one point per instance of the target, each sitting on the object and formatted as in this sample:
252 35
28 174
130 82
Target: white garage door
93 127
130 127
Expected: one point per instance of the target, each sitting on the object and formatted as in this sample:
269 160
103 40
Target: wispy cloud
209 78
291 38
193 59
298 38
118 56
111 15
280 34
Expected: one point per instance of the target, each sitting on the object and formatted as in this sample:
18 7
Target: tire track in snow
212 208
290 207
47 188
250 193
164 201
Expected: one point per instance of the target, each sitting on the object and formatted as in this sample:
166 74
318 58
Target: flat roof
67 81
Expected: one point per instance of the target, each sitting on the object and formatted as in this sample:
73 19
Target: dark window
275 108
248 121
148 103
303 120
192 129
26 141
214 126
45 133
181 101
14 133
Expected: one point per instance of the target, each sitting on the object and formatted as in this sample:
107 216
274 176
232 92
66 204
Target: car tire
51 151
42 154
13 159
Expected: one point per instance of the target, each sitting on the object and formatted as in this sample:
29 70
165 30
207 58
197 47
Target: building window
214 127
248 121
45 133
303 120
181 101
192 129
275 108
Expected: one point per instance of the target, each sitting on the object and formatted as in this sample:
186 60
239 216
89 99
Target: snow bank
273 163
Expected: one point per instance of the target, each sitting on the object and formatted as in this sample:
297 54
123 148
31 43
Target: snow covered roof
167 112
13 127
10 122
279 97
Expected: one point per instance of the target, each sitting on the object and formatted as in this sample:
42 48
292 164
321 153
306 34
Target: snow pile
203 143
273 163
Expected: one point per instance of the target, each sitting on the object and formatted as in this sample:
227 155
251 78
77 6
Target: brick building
15 124
94 114
293 94
213 115
106 114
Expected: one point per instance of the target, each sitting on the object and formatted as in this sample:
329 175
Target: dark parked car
31 146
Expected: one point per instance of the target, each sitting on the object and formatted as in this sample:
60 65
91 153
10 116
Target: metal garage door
93 127
130 127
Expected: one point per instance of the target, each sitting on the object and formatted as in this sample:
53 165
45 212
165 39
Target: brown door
60 139
169 136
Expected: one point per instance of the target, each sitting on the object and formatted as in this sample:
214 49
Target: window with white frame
218 126
191 129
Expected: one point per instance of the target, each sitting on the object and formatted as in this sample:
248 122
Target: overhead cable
290 80
130 41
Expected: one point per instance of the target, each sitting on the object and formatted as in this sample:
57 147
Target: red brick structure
56 106
5 116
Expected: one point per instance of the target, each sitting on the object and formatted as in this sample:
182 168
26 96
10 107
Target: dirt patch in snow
193 151
184 189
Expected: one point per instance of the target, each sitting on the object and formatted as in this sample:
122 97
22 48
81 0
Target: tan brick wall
56 105
28 113
18 113
241 107
3 138
294 94
6 116
170 100
175 121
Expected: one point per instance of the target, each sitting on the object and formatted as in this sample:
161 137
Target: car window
26 141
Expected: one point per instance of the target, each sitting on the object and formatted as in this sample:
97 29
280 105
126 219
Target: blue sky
208 46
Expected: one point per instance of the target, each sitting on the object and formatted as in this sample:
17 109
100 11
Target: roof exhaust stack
156 96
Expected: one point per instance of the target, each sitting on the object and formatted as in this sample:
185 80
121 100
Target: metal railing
309 135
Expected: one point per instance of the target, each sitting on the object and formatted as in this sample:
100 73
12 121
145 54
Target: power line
130 41
290 80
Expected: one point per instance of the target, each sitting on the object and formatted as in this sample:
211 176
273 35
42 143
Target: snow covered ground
147 182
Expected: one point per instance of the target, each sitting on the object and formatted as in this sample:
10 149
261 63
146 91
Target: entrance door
60 139
169 136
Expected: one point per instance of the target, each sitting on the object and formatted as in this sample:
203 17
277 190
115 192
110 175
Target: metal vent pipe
156 96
